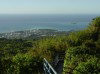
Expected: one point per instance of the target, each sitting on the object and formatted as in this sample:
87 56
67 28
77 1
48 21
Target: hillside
83 53
82 49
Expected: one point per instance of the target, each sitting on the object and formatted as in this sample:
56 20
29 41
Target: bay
62 22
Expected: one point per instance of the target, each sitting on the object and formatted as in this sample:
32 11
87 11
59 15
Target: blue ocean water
18 22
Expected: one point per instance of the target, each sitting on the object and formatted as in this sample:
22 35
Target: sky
49 6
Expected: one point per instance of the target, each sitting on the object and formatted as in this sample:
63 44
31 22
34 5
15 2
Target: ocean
20 22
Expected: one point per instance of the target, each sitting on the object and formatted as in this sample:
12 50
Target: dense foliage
18 56
83 55
15 57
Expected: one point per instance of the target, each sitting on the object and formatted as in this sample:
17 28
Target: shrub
92 66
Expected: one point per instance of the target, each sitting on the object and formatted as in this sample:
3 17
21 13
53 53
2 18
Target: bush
92 66
27 64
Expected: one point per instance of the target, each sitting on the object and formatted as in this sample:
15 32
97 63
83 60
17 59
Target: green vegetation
82 49
83 54
15 57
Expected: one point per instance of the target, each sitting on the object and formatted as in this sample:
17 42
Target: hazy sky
50 6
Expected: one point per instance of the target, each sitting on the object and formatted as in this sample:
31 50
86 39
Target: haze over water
19 22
